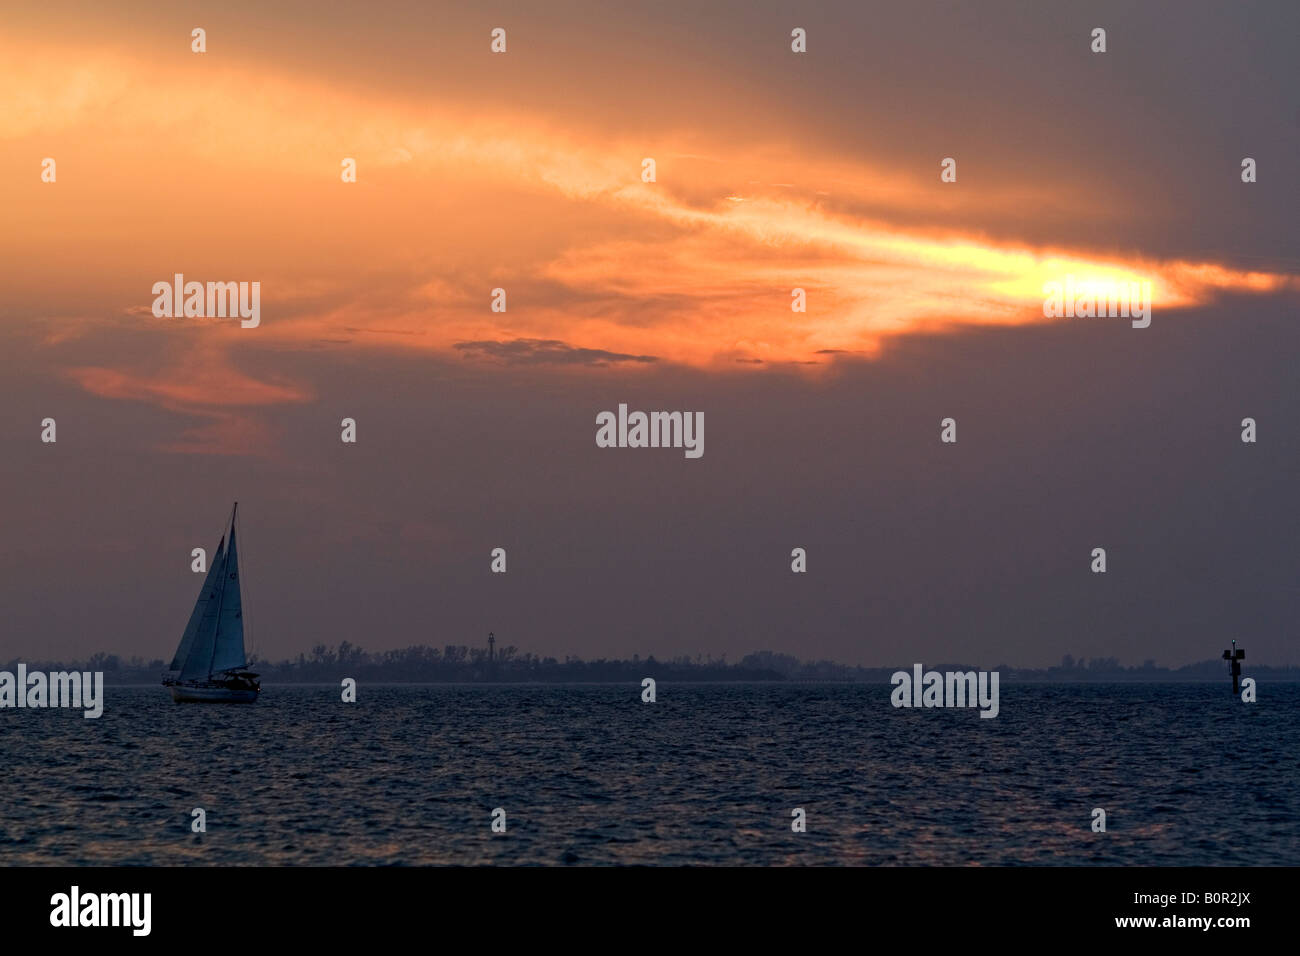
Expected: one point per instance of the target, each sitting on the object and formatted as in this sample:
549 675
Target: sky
774 170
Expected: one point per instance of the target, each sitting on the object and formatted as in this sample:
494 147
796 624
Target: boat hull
192 694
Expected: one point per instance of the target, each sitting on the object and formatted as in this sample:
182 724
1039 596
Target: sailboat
210 664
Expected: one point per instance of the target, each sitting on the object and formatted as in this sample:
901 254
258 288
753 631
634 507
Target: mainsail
205 594
228 652
214 639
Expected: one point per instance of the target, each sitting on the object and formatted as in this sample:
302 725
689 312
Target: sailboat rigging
210 664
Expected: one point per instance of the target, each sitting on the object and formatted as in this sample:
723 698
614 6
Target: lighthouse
492 639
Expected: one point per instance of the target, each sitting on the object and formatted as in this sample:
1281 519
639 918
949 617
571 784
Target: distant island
458 663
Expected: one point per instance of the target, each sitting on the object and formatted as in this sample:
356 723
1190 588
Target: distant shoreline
460 664
679 681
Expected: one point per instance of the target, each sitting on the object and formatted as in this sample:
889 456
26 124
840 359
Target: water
707 774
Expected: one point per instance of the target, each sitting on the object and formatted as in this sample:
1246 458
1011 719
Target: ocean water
708 774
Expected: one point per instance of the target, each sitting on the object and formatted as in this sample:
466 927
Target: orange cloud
230 171
202 386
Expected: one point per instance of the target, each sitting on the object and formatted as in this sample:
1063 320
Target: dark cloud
545 352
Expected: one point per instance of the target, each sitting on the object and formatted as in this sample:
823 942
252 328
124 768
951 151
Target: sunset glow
696 268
